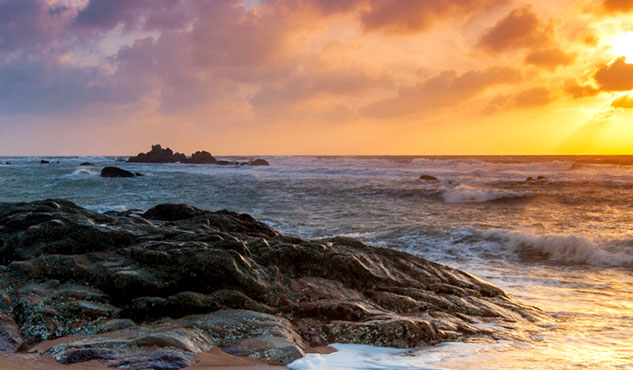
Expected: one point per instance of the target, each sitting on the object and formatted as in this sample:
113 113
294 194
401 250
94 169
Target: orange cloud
446 89
623 101
550 58
578 90
319 79
617 5
405 16
615 76
528 98
520 28
533 97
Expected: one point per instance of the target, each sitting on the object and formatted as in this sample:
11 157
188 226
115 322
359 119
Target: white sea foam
470 194
358 356
104 208
83 172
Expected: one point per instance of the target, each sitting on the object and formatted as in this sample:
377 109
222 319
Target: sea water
563 243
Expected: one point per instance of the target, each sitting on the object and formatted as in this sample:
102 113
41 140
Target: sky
320 77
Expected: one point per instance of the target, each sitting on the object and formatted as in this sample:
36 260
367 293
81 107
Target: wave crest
564 249
469 194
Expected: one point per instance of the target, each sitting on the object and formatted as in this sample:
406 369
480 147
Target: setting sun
622 46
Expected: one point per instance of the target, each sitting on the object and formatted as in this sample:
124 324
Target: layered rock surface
150 289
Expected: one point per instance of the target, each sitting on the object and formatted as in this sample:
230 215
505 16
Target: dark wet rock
226 163
258 162
86 164
149 290
116 172
539 178
44 161
428 178
7 162
158 155
201 157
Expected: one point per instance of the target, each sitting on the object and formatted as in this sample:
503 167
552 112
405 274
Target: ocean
563 243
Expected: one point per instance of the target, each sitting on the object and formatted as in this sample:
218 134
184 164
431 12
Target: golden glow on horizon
622 46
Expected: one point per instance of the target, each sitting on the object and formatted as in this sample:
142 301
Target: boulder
428 178
151 290
116 172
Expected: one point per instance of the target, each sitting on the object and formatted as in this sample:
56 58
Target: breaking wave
469 194
562 249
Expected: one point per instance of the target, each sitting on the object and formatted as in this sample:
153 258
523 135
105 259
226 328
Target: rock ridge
151 289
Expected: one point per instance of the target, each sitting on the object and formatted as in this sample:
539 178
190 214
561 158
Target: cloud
30 25
104 15
406 16
616 6
623 101
527 98
446 89
532 97
550 58
521 28
615 76
319 79
578 90
223 46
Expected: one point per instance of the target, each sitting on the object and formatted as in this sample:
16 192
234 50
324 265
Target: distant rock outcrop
160 155
116 172
149 290
201 157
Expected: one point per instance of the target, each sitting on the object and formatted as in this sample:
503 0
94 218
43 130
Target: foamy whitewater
563 243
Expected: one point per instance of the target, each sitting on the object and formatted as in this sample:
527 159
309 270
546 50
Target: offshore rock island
152 289
159 155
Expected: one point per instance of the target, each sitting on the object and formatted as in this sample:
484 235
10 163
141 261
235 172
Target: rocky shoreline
152 289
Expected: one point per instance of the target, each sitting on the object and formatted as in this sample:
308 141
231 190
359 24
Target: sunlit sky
273 77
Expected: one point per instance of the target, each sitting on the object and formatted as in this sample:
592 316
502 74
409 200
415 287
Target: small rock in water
258 162
115 172
44 161
86 164
530 179
541 178
428 178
